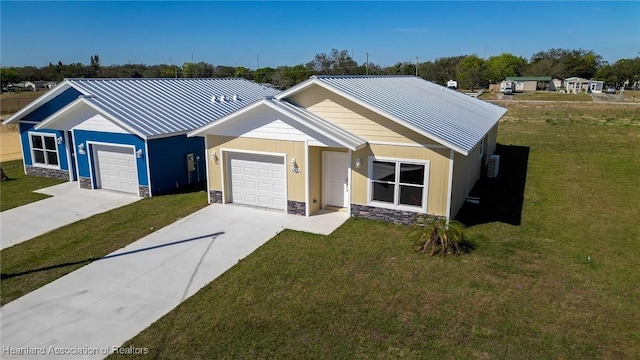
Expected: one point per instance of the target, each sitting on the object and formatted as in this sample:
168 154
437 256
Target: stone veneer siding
376 213
85 183
47 172
215 197
296 207
143 191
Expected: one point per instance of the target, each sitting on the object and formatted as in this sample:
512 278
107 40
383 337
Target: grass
541 96
12 102
563 284
551 96
19 189
32 264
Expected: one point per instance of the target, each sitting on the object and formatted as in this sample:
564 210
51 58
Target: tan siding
466 171
355 118
492 140
438 172
460 179
292 149
315 178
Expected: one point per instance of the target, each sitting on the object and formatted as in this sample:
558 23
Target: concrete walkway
68 205
95 309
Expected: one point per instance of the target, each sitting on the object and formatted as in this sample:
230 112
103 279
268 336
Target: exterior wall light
60 140
294 166
358 163
214 157
81 150
139 153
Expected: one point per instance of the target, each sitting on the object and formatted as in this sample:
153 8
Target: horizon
272 34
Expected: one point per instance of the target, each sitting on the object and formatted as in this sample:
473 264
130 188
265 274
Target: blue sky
289 33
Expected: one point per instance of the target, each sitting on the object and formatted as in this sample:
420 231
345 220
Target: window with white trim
44 149
398 183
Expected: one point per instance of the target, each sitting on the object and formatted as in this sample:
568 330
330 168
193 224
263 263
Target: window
398 183
44 149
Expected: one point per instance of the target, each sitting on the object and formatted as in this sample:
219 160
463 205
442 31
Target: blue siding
53 105
26 150
82 136
168 164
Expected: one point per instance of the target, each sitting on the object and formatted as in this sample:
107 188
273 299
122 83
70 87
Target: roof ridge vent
235 97
222 98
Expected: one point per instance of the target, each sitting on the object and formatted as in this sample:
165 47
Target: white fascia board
53 118
39 102
114 119
205 129
393 118
308 124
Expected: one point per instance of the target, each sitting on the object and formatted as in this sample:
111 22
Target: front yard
18 190
562 284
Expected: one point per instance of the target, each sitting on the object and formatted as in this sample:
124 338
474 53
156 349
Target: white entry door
258 180
116 168
336 179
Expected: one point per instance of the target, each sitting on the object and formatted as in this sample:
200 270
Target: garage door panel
116 168
257 180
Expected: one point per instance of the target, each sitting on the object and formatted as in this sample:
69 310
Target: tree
336 63
472 73
95 66
8 76
504 65
563 63
263 75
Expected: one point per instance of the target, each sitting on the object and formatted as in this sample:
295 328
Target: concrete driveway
96 308
68 205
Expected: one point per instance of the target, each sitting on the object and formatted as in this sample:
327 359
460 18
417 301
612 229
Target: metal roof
443 115
154 107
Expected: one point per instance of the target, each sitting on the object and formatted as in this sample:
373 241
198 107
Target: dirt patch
10 148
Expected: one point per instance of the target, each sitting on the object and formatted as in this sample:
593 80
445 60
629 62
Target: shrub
439 235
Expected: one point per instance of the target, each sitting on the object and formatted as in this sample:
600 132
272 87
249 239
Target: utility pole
367 63
257 61
416 66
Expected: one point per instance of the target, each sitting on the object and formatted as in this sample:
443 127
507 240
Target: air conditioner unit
493 166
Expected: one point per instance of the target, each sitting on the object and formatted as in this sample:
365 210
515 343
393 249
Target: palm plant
439 235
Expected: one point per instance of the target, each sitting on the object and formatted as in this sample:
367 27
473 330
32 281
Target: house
382 147
127 135
44 85
530 83
577 84
555 85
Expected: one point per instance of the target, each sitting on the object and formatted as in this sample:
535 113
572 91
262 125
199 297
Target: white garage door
116 168
258 180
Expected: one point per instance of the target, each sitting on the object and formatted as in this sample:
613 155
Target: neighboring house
577 84
44 85
531 83
127 135
382 147
555 85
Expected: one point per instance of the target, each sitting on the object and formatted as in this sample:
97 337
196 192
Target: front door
336 179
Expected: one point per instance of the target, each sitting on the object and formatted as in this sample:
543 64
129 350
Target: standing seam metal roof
163 106
445 115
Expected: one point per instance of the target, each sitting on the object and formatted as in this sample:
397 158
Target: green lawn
19 189
34 263
561 285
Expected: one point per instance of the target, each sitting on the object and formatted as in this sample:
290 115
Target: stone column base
296 208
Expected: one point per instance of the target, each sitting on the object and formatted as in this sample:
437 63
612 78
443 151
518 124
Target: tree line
471 71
